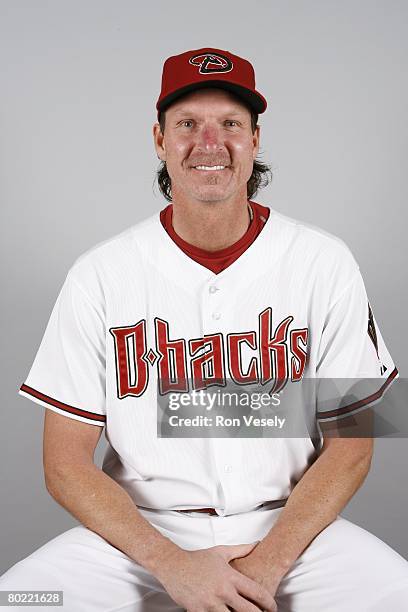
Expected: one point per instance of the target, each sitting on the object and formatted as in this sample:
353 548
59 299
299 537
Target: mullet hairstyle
261 173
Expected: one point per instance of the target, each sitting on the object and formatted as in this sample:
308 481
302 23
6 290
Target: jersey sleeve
68 372
352 355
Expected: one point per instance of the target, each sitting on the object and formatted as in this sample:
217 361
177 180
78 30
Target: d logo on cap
211 62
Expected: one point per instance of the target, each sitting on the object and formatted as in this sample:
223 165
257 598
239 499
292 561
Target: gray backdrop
79 80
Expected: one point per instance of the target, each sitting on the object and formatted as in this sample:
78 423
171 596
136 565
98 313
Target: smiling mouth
210 168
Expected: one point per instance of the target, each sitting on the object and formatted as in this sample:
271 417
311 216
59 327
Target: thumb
234 551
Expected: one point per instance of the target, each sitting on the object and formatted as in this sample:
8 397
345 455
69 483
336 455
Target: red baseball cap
209 67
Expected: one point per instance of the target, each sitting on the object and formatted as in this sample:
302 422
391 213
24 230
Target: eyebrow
187 111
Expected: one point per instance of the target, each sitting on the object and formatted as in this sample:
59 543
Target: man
216 287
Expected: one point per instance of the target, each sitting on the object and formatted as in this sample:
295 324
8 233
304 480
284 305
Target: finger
255 592
234 551
240 604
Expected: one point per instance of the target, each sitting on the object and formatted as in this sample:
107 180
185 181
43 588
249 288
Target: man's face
208 127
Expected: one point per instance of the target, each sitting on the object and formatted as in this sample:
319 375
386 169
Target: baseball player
215 287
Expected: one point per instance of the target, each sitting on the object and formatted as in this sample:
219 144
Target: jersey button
228 468
213 289
216 316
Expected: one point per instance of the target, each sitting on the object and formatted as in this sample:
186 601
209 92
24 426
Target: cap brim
254 100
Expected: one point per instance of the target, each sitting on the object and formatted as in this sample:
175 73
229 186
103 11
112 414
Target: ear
255 141
159 142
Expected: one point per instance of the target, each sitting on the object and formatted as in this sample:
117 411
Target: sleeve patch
371 329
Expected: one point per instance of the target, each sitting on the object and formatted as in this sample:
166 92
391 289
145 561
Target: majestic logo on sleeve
275 356
211 62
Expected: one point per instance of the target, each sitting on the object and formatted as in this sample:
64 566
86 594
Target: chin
211 193
211 197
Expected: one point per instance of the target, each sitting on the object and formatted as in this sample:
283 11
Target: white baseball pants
344 569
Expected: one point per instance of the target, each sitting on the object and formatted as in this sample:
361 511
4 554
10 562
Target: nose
210 137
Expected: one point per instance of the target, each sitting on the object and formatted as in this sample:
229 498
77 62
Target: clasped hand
219 579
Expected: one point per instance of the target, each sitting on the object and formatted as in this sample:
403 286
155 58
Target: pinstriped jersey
136 319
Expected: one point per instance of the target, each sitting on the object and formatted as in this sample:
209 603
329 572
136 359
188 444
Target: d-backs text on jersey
209 360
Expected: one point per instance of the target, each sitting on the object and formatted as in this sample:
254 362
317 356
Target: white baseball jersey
136 310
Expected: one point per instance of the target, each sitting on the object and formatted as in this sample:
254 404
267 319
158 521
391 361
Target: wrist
163 559
276 564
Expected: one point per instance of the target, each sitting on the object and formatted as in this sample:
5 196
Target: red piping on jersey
66 407
368 400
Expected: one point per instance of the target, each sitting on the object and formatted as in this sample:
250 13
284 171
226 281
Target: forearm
103 506
314 503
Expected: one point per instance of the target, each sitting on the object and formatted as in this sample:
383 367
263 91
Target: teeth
209 167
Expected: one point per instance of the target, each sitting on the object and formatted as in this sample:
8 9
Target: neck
211 226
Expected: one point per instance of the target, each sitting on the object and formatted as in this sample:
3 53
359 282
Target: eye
231 121
186 121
